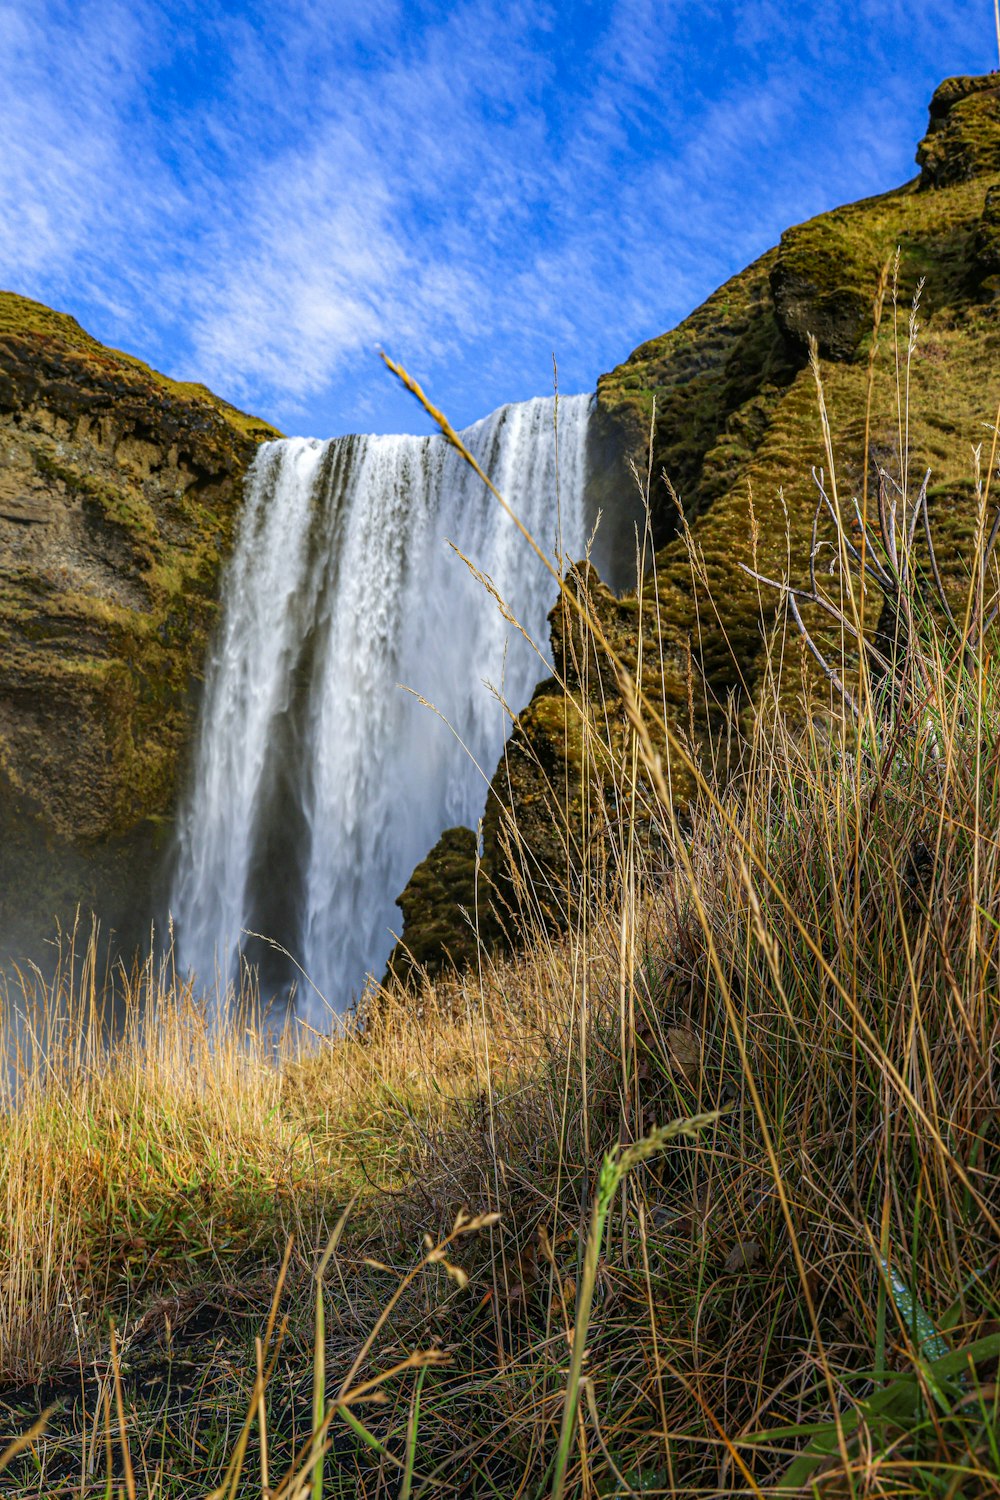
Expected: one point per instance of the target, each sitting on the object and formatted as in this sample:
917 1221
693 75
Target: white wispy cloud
259 196
57 138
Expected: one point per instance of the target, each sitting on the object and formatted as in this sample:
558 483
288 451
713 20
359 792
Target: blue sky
260 195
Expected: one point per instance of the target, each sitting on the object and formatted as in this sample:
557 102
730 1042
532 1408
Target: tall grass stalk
775 923
614 1169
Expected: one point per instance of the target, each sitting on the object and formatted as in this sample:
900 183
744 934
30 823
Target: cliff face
735 400
736 432
118 492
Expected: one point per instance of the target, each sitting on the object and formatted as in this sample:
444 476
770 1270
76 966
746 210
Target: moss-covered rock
712 383
438 907
963 136
118 493
987 244
822 281
731 404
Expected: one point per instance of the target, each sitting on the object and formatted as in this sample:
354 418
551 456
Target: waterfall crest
319 782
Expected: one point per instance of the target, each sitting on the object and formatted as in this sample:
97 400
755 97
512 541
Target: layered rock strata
118 493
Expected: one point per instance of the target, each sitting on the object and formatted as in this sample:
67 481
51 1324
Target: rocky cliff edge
118 493
736 434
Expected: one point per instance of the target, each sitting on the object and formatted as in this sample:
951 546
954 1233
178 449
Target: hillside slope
736 432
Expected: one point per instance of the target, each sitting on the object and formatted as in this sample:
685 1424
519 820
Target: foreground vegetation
696 1196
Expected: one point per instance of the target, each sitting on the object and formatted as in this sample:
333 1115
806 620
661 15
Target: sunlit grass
728 1140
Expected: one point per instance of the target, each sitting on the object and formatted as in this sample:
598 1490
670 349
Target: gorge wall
118 492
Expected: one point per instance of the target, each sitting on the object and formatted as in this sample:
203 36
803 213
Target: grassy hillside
22 317
735 435
736 440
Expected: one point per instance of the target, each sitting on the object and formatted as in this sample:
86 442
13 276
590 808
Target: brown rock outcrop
118 492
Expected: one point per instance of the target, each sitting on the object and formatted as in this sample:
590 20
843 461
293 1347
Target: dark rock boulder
822 283
439 908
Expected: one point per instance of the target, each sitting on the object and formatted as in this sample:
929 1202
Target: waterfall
319 781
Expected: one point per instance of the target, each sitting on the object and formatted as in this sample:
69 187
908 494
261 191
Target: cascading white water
319 782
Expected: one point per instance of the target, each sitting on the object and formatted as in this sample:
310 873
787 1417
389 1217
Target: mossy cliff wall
733 409
118 493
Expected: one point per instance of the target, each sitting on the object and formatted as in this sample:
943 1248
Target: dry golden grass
794 1290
